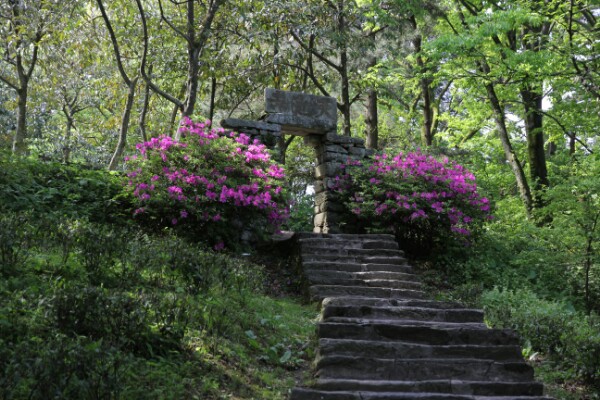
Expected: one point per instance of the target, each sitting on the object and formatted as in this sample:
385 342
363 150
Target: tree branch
566 132
9 83
171 25
313 51
115 43
147 79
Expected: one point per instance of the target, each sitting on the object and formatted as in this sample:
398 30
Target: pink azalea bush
421 198
207 184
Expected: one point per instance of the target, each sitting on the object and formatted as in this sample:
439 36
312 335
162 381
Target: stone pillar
331 153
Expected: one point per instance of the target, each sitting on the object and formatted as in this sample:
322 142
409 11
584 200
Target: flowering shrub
206 184
422 199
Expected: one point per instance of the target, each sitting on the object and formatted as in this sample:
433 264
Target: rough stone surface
241 124
380 339
302 105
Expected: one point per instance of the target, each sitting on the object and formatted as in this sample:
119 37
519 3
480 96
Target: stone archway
315 119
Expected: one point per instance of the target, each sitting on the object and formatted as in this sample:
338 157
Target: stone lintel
300 125
241 124
301 104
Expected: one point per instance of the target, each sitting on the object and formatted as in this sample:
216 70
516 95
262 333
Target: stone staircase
379 338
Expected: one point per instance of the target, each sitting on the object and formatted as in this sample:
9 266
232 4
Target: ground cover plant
97 308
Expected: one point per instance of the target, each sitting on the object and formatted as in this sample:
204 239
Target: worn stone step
384 283
411 322
353 266
348 244
399 312
451 386
350 367
316 394
323 276
361 301
411 331
323 250
381 349
357 259
346 236
319 292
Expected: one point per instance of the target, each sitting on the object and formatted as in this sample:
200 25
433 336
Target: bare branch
148 80
566 132
115 43
316 53
9 83
171 25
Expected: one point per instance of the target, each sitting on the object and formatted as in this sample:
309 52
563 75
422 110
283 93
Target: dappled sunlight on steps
381 339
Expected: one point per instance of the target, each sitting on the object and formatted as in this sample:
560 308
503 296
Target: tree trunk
144 112
18 145
67 147
509 153
532 103
118 154
345 106
371 115
213 95
427 131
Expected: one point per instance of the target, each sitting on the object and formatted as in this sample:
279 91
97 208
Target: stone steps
399 312
319 292
314 394
381 339
398 350
355 259
352 266
358 367
449 386
429 334
352 252
323 276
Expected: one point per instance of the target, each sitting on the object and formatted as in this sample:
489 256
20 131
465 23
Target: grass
143 321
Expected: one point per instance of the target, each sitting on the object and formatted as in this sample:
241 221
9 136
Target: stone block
328 169
247 125
334 148
301 105
319 186
334 157
299 125
357 151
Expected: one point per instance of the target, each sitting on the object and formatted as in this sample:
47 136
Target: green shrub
570 338
65 191
17 238
61 368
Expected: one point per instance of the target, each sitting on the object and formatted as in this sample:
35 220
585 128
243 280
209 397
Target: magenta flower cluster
206 177
413 189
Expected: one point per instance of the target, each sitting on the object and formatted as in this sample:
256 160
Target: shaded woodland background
510 89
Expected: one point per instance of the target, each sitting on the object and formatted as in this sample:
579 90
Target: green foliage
92 309
71 191
301 214
569 338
